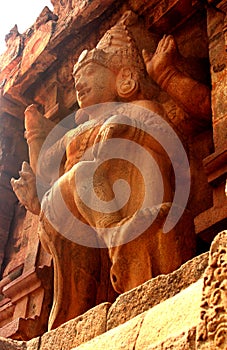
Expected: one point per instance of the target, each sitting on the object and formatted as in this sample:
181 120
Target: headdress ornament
116 49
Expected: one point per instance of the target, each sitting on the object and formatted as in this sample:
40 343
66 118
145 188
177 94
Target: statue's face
95 84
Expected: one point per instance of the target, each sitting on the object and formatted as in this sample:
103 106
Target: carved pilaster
13 151
212 330
213 220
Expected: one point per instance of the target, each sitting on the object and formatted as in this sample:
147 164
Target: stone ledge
77 331
123 322
186 341
8 344
155 291
174 318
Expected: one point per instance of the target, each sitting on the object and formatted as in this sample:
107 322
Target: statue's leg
76 274
64 221
131 265
153 252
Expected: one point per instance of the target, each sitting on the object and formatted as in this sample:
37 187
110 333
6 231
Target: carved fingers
164 57
20 186
26 172
146 56
25 189
166 45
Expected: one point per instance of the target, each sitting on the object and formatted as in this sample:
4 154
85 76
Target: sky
20 12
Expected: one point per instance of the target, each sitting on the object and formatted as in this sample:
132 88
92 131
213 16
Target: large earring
126 85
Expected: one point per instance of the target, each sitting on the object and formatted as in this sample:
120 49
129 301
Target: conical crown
116 49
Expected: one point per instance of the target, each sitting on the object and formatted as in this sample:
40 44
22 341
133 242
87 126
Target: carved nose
79 84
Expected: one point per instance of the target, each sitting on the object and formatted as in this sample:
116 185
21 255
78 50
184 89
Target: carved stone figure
113 82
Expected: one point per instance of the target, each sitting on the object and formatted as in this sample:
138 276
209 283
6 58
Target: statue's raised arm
190 94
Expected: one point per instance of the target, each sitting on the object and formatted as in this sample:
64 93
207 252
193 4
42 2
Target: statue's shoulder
152 106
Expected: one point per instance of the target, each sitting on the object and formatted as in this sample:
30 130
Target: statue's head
114 70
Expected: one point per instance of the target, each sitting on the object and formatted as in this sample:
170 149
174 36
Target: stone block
36 46
33 344
185 341
153 292
120 338
172 317
220 126
175 319
215 20
8 344
77 331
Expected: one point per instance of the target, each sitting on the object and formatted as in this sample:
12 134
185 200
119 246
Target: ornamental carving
212 330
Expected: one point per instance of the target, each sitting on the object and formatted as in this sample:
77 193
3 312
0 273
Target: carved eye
89 71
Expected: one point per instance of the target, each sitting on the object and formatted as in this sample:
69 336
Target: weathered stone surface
153 292
11 108
7 344
172 317
12 150
184 341
11 57
211 221
33 344
35 46
122 337
176 318
28 289
77 331
212 329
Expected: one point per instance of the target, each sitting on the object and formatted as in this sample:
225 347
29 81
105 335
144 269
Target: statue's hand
164 57
36 125
33 118
25 189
